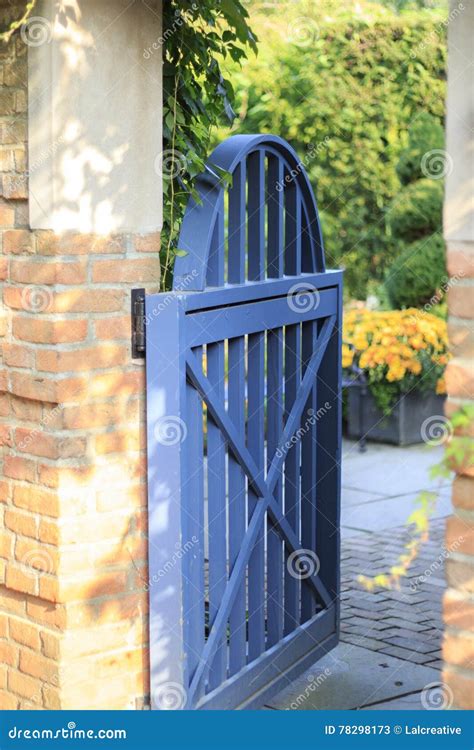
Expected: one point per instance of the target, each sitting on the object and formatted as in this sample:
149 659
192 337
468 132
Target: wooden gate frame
205 308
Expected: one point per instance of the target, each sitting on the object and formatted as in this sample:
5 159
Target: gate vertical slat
256 215
292 470
237 482
216 458
275 198
237 222
193 524
256 446
292 228
216 464
308 477
329 463
237 503
274 431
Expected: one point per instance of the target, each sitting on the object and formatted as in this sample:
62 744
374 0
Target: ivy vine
197 96
198 38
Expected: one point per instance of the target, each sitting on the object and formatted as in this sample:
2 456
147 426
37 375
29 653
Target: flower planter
404 426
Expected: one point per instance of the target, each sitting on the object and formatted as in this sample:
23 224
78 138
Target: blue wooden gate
243 411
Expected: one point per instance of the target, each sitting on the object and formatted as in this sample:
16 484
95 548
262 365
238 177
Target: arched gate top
262 225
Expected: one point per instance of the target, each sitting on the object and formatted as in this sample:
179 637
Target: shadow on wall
94 116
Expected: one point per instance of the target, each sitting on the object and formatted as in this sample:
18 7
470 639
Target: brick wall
73 603
459 597
459 233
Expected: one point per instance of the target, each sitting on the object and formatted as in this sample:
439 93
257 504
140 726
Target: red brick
460 260
49 331
463 492
460 535
24 685
20 523
143 270
92 358
458 649
113 328
462 687
16 467
460 379
36 500
7 216
25 634
18 241
18 356
41 272
43 444
71 243
458 610
460 301
18 580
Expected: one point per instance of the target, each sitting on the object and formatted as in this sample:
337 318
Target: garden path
389 656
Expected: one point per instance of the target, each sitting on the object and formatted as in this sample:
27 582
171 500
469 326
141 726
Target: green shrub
344 91
417 274
417 211
426 134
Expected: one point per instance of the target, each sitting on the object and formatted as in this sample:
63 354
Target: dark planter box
401 427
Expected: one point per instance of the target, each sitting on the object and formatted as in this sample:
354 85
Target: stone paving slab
351 677
412 702
387 512
389 470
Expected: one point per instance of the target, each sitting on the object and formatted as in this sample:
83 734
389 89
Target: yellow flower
441 387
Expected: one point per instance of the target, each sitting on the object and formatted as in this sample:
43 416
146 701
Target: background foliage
343 87
417 275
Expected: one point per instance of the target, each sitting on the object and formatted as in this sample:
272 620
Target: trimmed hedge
344 92
426 134
417 274
417 210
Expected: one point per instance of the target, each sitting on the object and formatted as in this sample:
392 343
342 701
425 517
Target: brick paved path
405 623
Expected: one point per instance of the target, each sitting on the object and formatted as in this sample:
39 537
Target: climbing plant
198 38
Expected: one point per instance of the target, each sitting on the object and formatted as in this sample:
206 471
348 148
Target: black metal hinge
138 324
